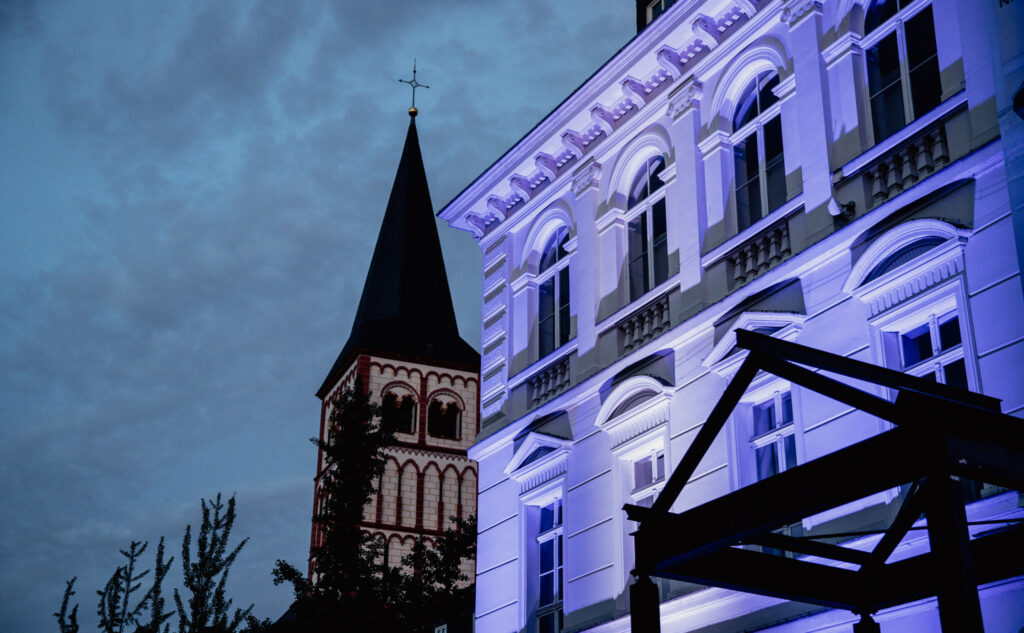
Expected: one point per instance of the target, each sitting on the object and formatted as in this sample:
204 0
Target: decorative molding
639 419
847 44
685 98
588 176
634 90
543 469
796 11
707 31
714 141
725 360
786 87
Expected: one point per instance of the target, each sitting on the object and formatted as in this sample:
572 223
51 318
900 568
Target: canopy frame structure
940 434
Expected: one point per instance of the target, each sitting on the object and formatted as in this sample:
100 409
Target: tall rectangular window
648 250
550 549
758 158
773 440
553 322
902 65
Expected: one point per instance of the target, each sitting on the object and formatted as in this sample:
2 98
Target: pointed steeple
406 310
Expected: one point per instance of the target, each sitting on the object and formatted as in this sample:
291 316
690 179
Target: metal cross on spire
414 85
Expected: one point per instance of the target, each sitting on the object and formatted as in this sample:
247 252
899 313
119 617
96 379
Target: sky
189 197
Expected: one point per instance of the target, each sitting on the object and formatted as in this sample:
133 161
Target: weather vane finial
414 85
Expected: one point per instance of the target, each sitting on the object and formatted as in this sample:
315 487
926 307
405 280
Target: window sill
726 247
857 164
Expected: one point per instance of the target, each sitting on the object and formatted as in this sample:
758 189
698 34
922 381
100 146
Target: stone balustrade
549 382
759 254
908 163
644 324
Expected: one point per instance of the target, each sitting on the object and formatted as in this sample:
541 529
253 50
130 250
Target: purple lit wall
813 188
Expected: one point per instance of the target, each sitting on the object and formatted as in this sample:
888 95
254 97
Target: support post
959 605
644 606
866 625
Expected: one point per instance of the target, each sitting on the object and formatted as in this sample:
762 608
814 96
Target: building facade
405 352
833 173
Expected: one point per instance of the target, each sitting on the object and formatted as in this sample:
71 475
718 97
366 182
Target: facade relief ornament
521 185
546 164
587 176
706 29
685 98
635 91
670 61
796 10
603 118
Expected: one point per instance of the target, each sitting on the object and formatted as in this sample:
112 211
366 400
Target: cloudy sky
189 194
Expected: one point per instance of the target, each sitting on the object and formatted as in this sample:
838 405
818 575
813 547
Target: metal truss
941 434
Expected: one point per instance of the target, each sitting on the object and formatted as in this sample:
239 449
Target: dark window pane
949 333
560 548
764 418
660 238
643 473
546 623
546 300
766 98
547 518
884 87
920 31
787 409
925 86
748 187
655 166
878 13
547 556
547 589
746 107
767 461
443 420
956 374
554 250
789 448
563 307
639 283
930 377
661 467
917 345
775 167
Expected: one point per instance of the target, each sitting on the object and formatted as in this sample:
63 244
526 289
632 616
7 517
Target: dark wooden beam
950 543
811 548
707 434
910 510
875 464
819 359
765 574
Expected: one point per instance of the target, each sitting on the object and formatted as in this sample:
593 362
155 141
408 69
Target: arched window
757 151
902 64
648 230
444 417
398 411
553 294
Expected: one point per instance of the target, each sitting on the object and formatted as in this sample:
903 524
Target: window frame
459 404
657 8
777 435
755 127
896 24
562 286
556 535
646 207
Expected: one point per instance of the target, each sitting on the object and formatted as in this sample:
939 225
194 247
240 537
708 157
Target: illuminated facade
831 173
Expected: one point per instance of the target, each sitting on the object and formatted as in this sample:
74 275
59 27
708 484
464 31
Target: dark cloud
203 184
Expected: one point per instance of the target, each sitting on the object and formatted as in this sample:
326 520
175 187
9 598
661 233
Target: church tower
406 352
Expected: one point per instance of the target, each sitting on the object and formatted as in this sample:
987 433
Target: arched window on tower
757 151
902 64
553 294
444 417
648 230
398 411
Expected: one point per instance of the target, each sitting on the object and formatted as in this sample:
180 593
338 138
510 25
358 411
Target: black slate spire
406 311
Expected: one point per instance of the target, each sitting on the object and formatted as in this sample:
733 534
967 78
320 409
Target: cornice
506 188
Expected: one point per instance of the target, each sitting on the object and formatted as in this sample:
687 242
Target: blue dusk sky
190 195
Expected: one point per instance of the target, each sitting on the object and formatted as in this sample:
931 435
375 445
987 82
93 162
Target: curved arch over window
444 417
902 62
903 255
648 230
554 249
758 151
398 410
646 181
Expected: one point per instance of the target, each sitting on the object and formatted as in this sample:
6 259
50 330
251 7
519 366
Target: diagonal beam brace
707 434
909 512
770 346
811 548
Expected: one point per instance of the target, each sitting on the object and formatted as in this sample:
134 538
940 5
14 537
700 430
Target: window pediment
538 459
637 406
725 358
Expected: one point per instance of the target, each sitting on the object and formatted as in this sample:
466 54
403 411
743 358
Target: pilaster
586 190
686 191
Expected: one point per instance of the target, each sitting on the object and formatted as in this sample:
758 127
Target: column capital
685 98
586 177
796 11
